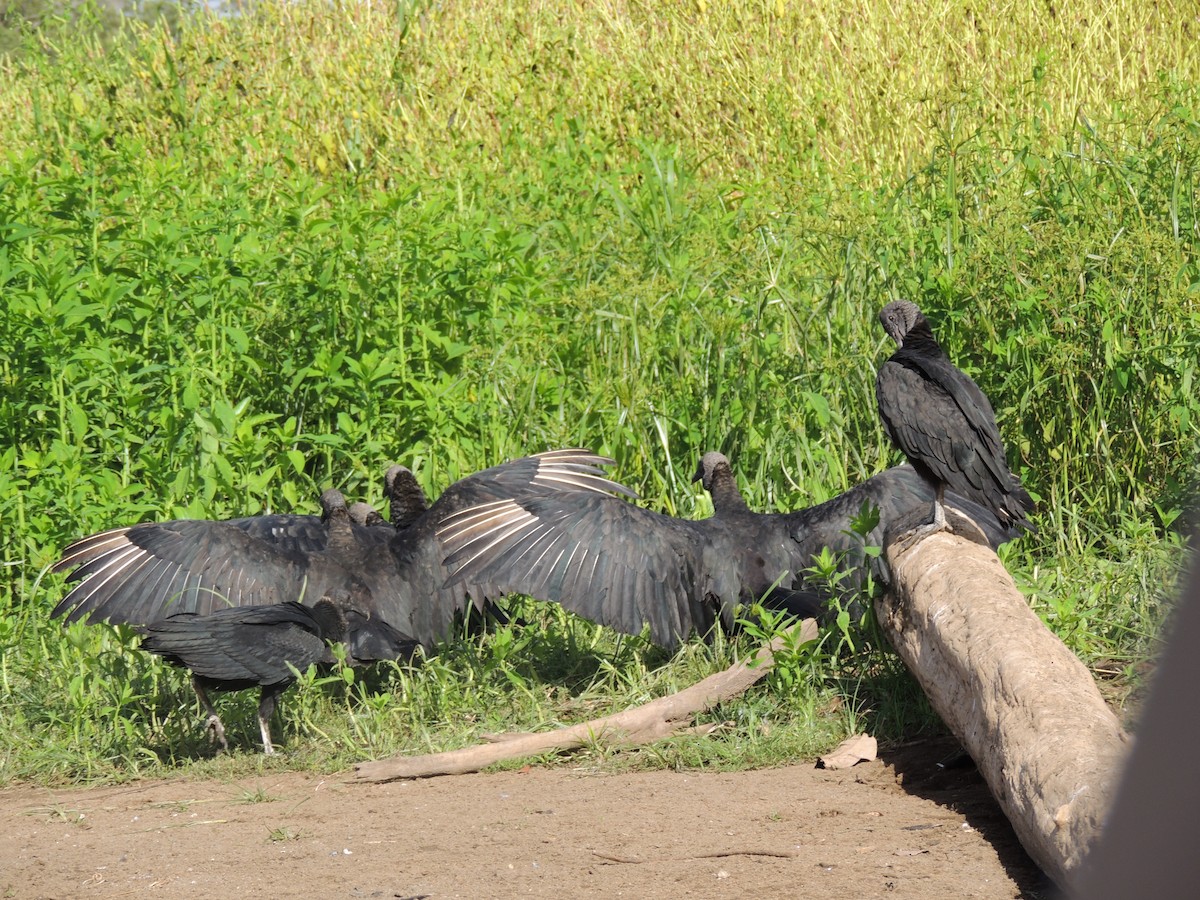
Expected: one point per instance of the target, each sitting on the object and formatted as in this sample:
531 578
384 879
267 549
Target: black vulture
626 567
715 474
396 578
406 498
944 423
365 514
241 647
368 637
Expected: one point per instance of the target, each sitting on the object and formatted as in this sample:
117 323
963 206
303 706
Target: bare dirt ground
897 827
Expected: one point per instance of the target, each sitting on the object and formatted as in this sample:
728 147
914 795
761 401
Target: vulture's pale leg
933 526
216 731
266 706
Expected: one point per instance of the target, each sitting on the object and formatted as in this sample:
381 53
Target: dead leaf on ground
860 748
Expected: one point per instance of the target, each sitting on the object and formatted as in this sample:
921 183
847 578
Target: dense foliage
266 254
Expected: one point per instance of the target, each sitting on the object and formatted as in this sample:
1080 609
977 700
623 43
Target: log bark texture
642 724
1021 703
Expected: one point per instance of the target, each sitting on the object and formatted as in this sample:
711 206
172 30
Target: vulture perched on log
395 578
943 422
242 647
626 567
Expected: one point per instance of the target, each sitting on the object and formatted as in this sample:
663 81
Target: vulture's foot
921 532
216 731
918 534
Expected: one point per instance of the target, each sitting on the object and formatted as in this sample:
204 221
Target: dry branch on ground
642 724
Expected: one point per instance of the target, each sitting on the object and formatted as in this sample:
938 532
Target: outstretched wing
596 555
626 567
417 594
394 578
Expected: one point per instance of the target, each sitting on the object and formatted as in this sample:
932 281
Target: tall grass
375 88
264 255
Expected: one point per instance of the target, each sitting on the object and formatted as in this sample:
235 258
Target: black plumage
393 577
406 497
626 567
937 415
716 476
237 648
369 638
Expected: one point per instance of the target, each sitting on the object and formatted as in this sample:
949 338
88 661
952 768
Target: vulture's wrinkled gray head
394 472
899 318
365 514
709 463
332 502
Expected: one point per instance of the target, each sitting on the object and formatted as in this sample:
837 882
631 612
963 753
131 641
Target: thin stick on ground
643 724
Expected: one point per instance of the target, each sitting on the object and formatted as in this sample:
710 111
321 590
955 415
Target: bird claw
216 732
911 538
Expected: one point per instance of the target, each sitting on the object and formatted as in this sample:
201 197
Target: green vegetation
248 258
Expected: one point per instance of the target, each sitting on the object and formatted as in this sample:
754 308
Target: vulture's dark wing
626 567
139 574
413 592
939 417
241 647
145 572
597 555
901 497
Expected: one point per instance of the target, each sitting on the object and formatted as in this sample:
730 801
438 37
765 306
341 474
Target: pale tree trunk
1024 707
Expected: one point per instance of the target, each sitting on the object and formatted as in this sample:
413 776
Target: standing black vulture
943 422
396 578
625 567
242 647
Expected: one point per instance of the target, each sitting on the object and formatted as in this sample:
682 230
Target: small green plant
58 813
257 795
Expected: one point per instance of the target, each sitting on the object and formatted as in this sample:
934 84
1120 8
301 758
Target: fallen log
1022 704
651 721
